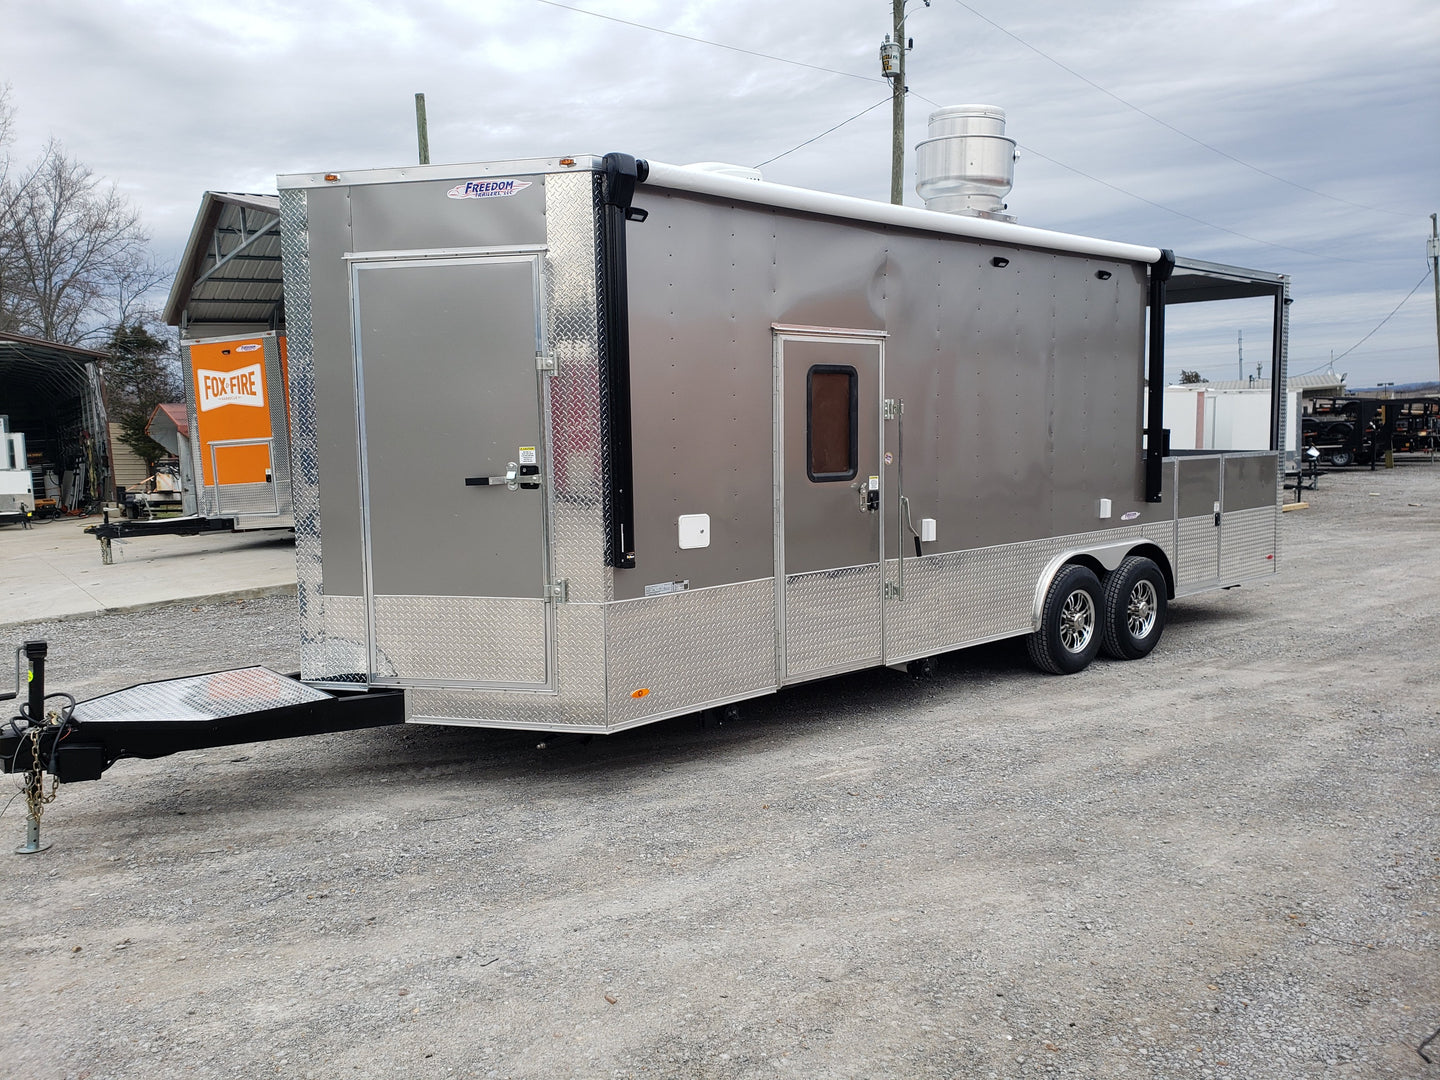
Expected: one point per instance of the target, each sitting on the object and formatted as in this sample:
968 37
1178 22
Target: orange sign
232 407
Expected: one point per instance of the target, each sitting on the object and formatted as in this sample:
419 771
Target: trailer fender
1101 558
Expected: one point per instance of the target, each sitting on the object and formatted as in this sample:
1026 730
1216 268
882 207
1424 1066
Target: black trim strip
1156 437
616 189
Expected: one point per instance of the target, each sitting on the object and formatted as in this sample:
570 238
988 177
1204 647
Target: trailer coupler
75 742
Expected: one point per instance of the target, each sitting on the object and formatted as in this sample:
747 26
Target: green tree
142 371
1190 377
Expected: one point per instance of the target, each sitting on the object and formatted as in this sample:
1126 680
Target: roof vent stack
967 165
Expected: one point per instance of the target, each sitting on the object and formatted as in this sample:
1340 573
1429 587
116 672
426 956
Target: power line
1172 127
707 41
827 131
1424 278
934 104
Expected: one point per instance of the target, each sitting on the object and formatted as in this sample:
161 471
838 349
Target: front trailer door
452 470
829 500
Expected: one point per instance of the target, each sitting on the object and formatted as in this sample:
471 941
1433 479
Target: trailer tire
1340 457
1134 609
1070 623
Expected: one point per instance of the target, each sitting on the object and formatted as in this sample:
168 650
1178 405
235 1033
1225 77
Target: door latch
516 476
870 496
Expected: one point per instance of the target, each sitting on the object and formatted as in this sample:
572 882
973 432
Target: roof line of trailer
681 178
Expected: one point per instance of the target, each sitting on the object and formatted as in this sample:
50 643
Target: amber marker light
642 692
567 161
331 177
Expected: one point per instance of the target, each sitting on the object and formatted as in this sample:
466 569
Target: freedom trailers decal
487 189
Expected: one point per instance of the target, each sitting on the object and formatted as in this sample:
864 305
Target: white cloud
172 98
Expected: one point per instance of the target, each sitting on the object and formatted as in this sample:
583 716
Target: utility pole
422 129
1240 352
897 110
1434 252
892 66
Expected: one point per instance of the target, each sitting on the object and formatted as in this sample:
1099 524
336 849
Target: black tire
1134 613
1070 623
1340 457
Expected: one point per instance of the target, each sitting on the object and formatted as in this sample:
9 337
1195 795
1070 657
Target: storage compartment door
828 502
450 403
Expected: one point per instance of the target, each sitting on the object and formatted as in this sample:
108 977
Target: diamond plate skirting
1247 543
965 597
579 700
688 649
201 697
461 639
832 620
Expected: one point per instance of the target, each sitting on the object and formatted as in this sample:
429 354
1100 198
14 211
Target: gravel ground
1218 862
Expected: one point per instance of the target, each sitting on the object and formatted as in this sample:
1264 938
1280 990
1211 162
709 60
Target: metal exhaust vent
967 165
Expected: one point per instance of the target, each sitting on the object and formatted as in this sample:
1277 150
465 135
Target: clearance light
642 692
567 161
331 177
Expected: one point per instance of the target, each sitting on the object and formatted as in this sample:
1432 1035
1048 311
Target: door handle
516 476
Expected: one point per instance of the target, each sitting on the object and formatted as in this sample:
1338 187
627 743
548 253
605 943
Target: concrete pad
53 570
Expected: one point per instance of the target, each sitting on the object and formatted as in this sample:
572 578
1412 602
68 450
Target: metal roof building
55 396
229 279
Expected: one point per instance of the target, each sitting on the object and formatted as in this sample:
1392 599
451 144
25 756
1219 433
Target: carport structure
55 395
229 279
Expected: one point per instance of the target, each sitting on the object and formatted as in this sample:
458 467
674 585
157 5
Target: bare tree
75 262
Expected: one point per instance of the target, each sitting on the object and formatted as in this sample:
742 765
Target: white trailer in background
17 483
1204 418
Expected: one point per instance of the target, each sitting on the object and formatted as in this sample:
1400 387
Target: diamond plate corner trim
324 656
685 649
575 418
832 620
1247 543
201 697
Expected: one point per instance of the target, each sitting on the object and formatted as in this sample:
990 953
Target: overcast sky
1338 102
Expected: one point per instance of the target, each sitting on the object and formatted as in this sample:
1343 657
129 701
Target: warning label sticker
527 455
243 386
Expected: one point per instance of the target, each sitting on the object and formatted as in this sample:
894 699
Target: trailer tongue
76 741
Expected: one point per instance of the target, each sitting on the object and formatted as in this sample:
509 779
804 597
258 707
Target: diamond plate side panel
832 620
689 648
1247 543
201 697
482 639
1199 552
579 704
576 432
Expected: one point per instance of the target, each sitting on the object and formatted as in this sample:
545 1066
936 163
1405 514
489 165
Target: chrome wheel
1077 621
1141 610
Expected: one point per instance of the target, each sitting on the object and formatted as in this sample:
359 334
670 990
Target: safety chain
35 796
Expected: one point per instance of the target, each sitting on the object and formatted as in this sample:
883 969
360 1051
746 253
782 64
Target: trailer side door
453 468
828 500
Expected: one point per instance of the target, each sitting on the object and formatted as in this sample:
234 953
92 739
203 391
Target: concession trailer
682 438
